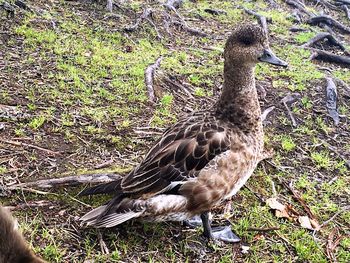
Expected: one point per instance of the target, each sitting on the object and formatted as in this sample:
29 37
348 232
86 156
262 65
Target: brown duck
205 158
13 248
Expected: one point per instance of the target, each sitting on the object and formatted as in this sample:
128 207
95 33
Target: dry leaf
281 210
305 222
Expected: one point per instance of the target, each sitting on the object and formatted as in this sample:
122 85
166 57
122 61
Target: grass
82 84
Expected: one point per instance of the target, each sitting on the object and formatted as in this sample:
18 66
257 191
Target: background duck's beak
271 58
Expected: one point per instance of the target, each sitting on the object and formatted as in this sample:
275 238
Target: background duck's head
249 45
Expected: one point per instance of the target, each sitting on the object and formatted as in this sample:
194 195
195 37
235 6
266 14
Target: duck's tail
13 247
117 211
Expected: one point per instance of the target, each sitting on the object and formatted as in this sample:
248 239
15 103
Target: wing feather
184 149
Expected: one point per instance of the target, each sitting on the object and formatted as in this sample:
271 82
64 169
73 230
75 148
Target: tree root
332 40
298 5
316 20
262 19
329 57
146 13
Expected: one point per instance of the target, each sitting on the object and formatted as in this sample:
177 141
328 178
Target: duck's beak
271 58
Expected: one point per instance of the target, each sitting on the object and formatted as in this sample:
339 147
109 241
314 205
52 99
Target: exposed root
262 19
329 57
324 19
146 13
298 5
332 40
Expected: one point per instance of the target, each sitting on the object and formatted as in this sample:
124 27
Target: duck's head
249 45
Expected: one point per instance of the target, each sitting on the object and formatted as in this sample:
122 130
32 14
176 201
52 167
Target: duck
13 247
204 158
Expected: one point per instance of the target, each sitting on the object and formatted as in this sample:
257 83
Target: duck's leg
223 233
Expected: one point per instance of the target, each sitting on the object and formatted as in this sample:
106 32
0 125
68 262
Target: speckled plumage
13 248
205 157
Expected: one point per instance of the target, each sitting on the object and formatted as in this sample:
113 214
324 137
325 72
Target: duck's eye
247 40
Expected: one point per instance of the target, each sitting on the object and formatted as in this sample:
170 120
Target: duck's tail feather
114 219
117 211
107 188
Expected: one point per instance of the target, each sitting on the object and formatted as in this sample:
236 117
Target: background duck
205 157
13 248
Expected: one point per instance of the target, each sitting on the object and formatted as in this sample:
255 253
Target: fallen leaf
281 210
305 222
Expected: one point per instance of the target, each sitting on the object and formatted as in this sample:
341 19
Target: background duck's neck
239 100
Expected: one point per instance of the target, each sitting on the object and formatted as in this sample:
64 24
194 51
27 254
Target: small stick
343 209
149 74
49 152
190 30
215 12
103 246
264 229
341 156
289 98
297 196
146 13
68 181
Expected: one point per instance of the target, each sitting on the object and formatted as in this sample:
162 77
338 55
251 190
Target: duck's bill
271 58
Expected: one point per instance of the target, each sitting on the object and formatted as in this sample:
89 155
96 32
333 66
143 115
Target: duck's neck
239 100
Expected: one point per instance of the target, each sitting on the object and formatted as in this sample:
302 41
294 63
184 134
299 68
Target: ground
72 83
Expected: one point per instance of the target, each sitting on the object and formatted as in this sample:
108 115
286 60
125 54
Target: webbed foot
222 233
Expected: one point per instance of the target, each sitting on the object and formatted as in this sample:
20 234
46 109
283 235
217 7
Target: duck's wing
184 149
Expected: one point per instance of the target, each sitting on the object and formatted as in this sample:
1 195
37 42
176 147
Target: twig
146 13
331 100
343 209
290 99
190 30
297 196
68 181
149 74
103 246
264 229
341 156
215 12
30 145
